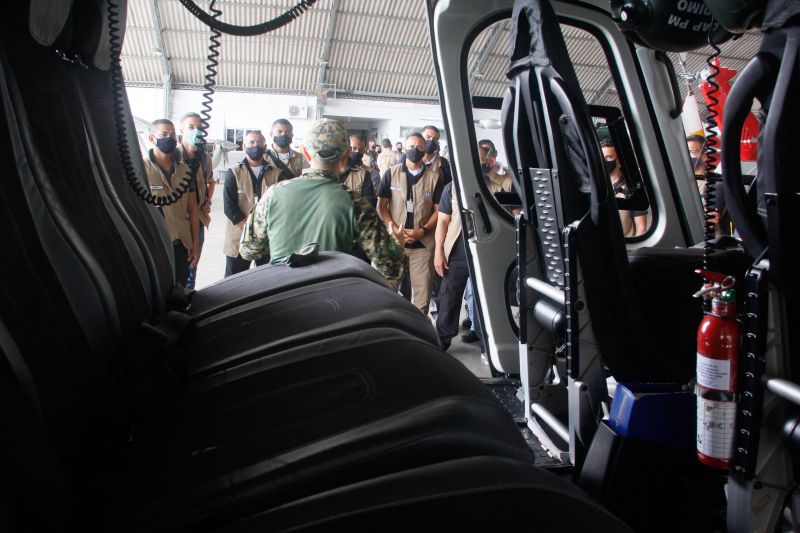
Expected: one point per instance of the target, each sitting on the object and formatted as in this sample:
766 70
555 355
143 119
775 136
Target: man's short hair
492 149
696 139
357 136
386 143
415 134
607 143
191 114
281 122
432 127
159 122
256 132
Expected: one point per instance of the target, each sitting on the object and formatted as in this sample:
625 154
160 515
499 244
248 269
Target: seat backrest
79 278
547 126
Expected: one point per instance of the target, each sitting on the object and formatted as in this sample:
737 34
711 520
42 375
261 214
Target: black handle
750 82
673 81
487 224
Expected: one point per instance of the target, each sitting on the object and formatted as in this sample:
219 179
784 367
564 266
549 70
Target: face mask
695 163
166 145
610 166
414 155
192 137
355 158
282 141
255 152
486 168
431 146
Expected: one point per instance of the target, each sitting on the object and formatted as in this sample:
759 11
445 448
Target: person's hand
714 217
440 263
242 223
413 235
207 208
194 256
397 234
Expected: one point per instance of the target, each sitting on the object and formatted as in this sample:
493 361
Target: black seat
269 413
578 193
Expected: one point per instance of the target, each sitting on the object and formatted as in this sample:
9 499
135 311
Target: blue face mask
192 137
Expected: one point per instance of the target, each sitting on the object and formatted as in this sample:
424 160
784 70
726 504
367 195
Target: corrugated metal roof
376 47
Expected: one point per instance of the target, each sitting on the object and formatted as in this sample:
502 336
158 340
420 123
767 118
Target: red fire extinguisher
717 358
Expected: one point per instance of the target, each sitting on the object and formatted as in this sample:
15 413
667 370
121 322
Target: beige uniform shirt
422 193
176 215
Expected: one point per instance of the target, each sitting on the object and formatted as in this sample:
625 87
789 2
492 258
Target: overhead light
157 52
478 74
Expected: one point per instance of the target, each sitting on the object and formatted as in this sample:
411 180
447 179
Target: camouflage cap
327 140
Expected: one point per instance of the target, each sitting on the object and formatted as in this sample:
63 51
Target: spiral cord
120 109
248 31
120 117
712 151
211 77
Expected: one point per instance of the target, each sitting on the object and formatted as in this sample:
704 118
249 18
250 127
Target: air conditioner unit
298 111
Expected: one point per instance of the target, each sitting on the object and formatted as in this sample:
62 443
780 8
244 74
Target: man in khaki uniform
358 177
432 159
281 155
497 178
316 208
245 184
193 155
408 201
164 175
450 262
386 159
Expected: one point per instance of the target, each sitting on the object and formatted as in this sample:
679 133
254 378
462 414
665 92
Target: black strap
257 181
286 174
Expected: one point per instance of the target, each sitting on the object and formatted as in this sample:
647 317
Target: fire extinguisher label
714 373
715 425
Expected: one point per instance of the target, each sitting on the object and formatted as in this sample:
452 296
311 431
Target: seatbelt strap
286 174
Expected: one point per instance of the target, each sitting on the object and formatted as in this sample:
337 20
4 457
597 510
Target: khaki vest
498 182
454 228
202 189
175 215
297 161
355 179
385 161
423 200
246 199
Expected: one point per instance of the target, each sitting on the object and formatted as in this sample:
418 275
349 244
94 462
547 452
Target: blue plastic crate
662 413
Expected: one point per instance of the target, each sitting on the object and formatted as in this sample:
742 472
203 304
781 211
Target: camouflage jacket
356 222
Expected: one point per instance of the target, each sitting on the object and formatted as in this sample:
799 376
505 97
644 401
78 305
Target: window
486 67
237 135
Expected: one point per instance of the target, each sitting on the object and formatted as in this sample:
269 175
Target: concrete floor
212 269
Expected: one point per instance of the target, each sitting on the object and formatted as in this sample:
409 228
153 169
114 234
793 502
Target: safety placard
714 373
715 425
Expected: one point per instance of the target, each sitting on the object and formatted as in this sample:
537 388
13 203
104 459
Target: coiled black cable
211 77
711 155
120 117
248 31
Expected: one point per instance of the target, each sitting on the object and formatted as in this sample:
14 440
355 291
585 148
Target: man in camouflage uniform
316 208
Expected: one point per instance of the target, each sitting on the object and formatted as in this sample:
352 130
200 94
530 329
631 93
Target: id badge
410 206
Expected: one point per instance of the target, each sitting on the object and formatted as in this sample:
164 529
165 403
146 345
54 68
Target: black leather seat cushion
336 411
252 285
298 316
472 494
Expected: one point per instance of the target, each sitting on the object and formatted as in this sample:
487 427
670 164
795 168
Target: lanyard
257 181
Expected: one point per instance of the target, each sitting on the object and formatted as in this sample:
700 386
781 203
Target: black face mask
282 141
255 152
414 155
486 168
355 158
610 166
431 146
696 163
166 145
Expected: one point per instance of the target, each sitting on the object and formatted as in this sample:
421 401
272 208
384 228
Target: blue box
662 413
